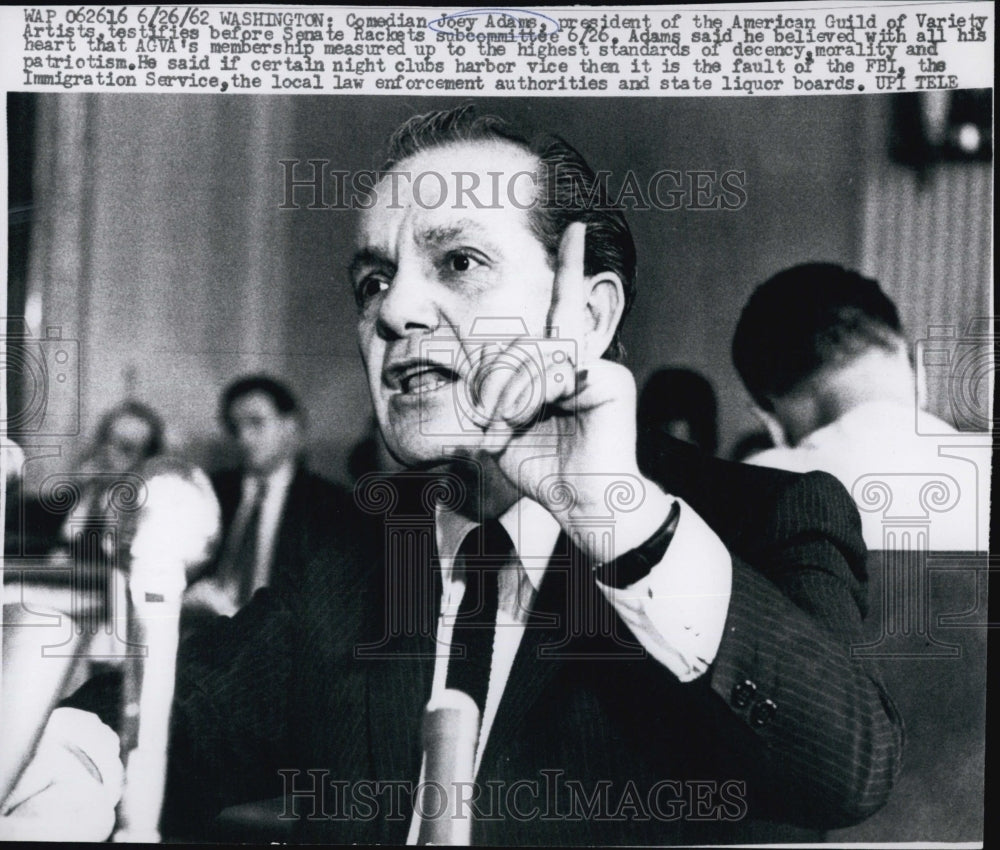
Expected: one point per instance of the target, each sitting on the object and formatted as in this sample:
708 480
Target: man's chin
422 451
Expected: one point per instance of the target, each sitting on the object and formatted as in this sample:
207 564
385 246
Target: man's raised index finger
569 297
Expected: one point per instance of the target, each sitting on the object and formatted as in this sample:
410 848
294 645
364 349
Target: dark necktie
450 733
483 554
244 559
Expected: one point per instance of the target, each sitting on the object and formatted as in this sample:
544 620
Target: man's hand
564 431
63 795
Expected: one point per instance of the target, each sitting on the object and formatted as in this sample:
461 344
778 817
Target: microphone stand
155 592
449 735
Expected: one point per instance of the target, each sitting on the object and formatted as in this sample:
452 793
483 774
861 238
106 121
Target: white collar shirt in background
277 484
900 465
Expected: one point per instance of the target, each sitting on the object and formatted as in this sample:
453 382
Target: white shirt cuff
678 611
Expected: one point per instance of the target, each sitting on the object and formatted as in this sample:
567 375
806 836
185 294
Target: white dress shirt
908 472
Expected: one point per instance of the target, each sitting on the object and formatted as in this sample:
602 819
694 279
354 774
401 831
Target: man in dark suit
529 627
273 508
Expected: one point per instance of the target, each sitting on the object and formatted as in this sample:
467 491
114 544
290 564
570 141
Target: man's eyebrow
441 234
366 258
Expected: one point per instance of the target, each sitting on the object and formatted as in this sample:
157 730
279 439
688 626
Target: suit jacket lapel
293 523
570 622
400 659
539 655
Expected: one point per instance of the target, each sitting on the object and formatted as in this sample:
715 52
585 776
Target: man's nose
410 305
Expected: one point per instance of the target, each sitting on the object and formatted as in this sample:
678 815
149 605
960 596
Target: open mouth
420 377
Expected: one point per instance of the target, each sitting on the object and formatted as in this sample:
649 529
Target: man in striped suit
663 663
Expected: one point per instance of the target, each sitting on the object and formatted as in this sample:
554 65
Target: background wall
159 244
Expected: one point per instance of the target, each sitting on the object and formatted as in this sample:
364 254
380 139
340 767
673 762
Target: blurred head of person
815 341
127 436
265 420
677 403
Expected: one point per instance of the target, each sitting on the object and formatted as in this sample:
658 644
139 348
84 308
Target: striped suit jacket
316 689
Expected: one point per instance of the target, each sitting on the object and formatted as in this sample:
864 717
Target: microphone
174 534
450 735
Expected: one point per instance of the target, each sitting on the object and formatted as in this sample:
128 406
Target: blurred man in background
127 436
822 351
273 507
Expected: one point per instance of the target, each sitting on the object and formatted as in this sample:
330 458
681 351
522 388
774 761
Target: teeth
424 382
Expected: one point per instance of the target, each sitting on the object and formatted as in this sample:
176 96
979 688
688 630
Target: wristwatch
636 563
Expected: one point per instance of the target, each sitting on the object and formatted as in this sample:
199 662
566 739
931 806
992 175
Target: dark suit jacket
320 688
312 506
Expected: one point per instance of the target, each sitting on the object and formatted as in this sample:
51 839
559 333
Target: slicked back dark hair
568 191
806 318
281 396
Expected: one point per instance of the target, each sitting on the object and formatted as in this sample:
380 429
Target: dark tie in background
248 545
240 565
452 724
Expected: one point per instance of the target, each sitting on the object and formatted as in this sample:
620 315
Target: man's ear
605 306
294 430
800 411
774 428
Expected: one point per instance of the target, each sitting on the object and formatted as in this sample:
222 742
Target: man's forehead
380 233
130 425
256 402
485 176
469 189
476 155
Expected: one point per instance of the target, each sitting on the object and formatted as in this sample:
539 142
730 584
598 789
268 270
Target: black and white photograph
546 469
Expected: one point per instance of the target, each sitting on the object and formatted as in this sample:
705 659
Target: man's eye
370 286
461 261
